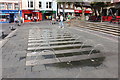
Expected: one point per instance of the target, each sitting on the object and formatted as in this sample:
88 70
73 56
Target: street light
53 14
19 23
52 7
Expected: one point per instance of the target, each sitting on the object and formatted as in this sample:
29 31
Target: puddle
86 52
82 63
21 58
48 56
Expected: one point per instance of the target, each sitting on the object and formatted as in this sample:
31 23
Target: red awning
80 11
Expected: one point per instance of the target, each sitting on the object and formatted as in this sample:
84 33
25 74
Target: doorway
11 18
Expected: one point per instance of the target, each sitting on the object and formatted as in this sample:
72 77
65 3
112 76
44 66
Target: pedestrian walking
57 18
61 21
53 19
16 20
68 19
35 18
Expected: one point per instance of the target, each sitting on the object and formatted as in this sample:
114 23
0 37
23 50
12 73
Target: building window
2 5
28 4
16 6
9 6
61 5
66 5
71 6
48 4
40 4
31 3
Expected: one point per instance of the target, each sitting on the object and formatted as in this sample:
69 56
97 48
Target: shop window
104 12
112 12
40 4
2 5
48 16
4 18
16 6
118 13
28 16
9 6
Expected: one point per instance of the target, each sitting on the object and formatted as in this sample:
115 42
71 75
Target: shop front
31 15
70 11
8 16
47 15
79 12
112 12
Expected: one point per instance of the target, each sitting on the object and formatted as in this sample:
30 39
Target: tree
82 5
63 3
59 4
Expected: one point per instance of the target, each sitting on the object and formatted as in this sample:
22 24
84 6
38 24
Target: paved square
42 50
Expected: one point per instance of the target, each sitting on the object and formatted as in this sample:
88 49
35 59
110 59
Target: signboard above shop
4 14
9 11
80 11
48 11
66 10
35 11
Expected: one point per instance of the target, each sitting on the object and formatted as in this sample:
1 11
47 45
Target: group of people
34 18
60 19
16 20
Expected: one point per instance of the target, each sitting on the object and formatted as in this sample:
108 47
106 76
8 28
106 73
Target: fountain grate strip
59 52
57 47
62 59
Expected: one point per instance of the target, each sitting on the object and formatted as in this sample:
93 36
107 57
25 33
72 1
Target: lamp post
19 23
53 14
52 8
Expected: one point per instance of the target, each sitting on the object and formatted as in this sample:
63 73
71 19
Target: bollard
3 35
11 28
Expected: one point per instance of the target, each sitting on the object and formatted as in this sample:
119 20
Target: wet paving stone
38 68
